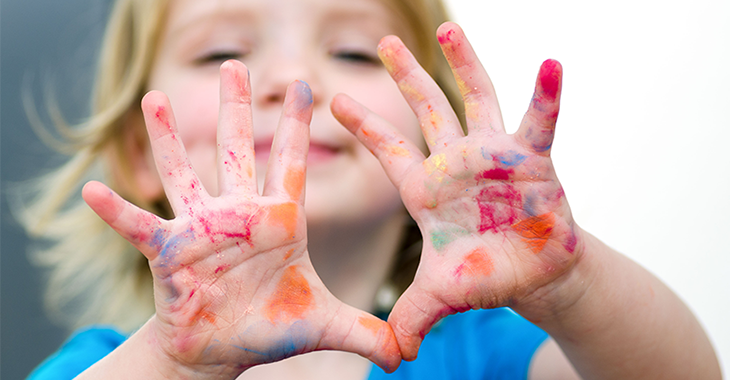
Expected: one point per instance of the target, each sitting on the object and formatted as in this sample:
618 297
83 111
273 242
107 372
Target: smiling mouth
318 153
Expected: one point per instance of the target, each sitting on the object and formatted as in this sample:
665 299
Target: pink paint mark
496 173
498 206
549 78
222 268
446 37
571 242
227 219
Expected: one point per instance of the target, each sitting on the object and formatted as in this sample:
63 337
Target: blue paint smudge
485 154
511 158
293 342
529 204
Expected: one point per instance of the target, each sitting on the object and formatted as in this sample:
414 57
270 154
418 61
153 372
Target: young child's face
330 44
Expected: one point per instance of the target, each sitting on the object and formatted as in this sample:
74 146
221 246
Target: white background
642 138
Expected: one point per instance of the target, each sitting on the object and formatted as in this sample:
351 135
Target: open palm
234 286
494 218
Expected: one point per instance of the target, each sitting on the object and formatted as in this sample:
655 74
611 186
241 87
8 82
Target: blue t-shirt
484 344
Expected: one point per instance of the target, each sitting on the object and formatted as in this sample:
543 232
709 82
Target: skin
234 283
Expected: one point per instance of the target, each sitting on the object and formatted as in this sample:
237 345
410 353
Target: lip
319 152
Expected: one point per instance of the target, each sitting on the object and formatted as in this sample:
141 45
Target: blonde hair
94 275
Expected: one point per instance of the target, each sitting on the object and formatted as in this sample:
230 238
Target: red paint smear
498 206
227 218
222 267
549 78
496 173
536 230
292 299
478 263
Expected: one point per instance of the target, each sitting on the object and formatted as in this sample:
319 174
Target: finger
480 99
144 230
286 170
538 126
356 331
438 120
394 151
236 161
181 184
412 317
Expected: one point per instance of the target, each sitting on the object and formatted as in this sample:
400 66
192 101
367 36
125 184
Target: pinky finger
141 228
538 126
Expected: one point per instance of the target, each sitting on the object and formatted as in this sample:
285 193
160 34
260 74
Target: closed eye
357 57
218 57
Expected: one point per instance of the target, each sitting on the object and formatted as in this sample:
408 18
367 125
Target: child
234 287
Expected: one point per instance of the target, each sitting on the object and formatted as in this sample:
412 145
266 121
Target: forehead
187 13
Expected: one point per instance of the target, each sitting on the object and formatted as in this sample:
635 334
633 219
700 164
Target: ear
135 165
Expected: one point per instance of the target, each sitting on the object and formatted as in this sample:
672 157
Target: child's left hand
496 225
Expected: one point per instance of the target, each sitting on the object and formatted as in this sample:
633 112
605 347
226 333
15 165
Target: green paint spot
440 238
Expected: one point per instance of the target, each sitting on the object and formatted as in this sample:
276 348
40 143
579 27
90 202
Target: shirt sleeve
484 344
84 348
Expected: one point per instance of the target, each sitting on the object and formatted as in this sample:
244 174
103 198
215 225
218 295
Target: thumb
413 315
356 331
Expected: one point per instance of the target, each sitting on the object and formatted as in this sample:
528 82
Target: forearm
140 357
613 319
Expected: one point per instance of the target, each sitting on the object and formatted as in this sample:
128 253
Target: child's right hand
234 286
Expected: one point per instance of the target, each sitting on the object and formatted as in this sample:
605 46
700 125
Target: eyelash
356 57
219 57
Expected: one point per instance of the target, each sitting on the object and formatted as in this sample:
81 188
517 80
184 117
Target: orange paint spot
288 254
294 182
477 262
536 230
371 323
205 315
285 215
292 299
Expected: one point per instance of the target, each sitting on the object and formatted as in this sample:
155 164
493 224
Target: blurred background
641 147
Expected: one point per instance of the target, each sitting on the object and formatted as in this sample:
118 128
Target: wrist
567 297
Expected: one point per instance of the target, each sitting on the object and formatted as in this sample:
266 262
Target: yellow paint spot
410 92
394 150
436 166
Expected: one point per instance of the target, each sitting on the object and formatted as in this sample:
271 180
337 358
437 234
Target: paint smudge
536 230
495 174
238 225
510 158
203 314
549 78
498 205
294 182
436 166
370 323
571 242
439 239
477 263
292 298
285 215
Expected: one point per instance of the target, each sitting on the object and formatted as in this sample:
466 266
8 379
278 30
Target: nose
278 72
